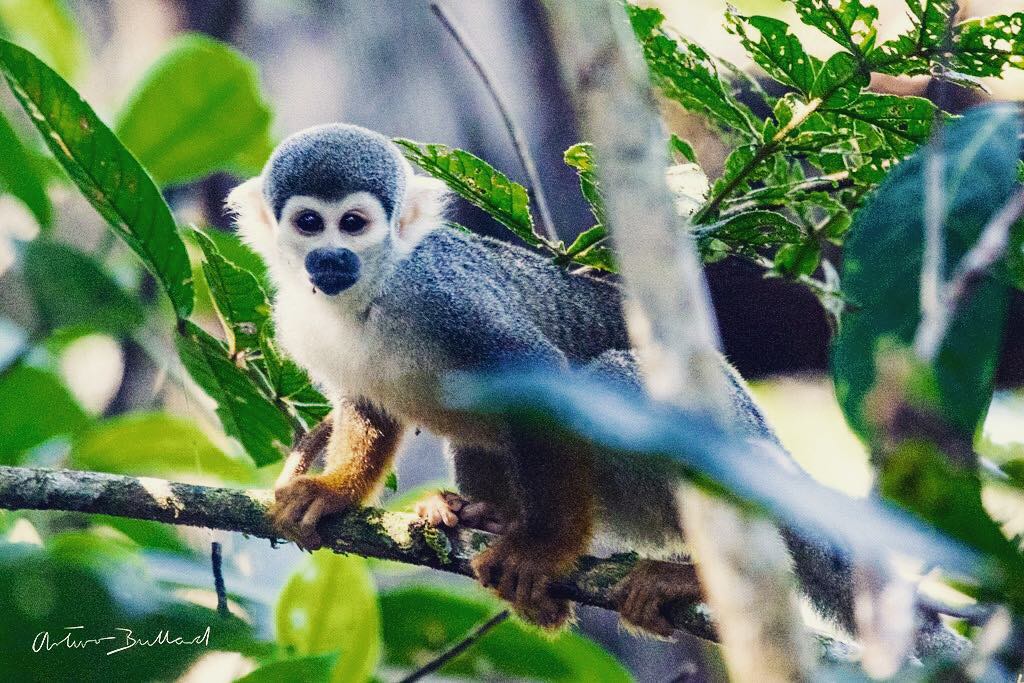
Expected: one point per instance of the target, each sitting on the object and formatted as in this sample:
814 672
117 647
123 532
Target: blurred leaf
329 605
848 22
148 535
310 669
20 177
981 154
84 580
772 45
72 290
34 406
581 157
800 258
199 109
421 622
990 45
684 72
46 28
477 182
240 300
106 173
694 447
154 445
391 482
244 410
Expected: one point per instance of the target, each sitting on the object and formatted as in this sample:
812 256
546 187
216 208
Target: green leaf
586 240
106 173
20 175
147 535
199 109
679 146
421 622
686 73
72 290
154 445
241 303
82 579
329 605
850 23
775 49
34 406
391 482
581 157
601 258
244 410
839 81
802 258
915 52
990 45
291 385
46 28
477 182
753 229
882 265
894 125
309 669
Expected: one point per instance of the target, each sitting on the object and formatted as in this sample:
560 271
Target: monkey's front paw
299 506
651 587
523 577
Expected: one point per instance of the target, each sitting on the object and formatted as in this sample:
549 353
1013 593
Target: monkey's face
330 242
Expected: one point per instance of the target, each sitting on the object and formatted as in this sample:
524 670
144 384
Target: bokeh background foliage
808 178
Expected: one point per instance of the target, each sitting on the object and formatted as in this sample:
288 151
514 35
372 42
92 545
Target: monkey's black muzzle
332 270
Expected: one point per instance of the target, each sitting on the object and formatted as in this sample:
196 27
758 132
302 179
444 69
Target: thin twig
457 649
519 142
989 248
217 561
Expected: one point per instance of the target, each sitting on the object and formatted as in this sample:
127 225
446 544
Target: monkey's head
334 204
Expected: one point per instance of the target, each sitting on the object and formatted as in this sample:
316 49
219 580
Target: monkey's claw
649 588
299 506
523 577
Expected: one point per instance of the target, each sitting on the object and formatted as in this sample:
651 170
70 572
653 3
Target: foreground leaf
154 445
477 182
107 174
48 29
990 45
329 605
850 23
309 669
72 290
199 109
581 157
421 622
34 406
20 176
244 411
980 174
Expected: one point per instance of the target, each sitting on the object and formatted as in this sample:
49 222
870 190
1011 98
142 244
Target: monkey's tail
826 575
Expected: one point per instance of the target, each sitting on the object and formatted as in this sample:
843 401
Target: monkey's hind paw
440 508
649 588
523 578
451 509
299 506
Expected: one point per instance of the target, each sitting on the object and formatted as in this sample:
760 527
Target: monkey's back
462 282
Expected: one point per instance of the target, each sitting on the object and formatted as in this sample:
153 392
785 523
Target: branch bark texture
369 532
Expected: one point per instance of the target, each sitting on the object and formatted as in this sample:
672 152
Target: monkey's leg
649 588
309 448
361 448
551 530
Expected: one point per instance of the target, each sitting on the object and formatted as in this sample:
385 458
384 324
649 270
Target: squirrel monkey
380 301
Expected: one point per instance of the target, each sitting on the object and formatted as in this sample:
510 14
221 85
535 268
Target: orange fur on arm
361 449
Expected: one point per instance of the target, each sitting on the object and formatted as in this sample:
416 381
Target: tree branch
370 532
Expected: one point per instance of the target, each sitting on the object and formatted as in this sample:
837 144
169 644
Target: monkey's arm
362 445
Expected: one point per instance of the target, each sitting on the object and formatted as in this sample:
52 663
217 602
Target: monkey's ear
422 208
256 225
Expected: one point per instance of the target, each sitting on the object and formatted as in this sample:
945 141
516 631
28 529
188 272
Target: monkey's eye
309 223
352 223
